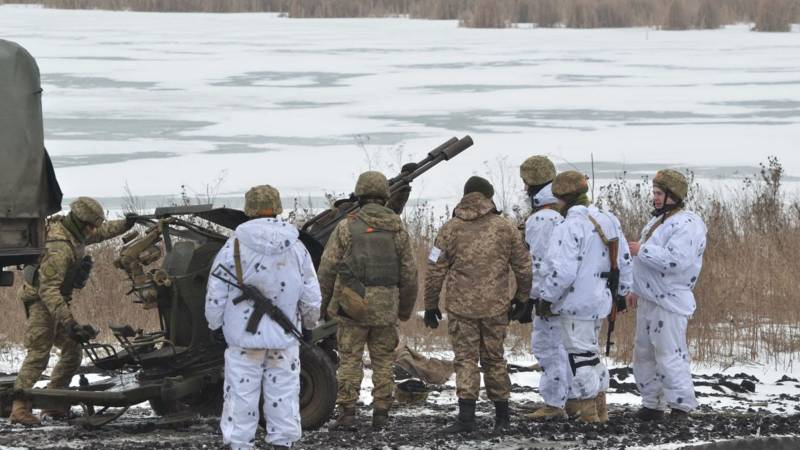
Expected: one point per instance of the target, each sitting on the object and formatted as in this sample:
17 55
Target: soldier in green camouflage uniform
368 279
46 294
475 254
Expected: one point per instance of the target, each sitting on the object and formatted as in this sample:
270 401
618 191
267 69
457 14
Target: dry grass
746 296
768 15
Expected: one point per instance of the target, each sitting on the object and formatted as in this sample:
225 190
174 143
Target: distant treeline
767 15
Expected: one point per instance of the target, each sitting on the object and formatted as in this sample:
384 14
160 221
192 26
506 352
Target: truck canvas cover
29 191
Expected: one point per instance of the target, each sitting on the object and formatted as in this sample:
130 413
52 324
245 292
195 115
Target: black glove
81 333
307 335
527 315
130 220
218 336
432 318
517 310
543 309
82 275
409 167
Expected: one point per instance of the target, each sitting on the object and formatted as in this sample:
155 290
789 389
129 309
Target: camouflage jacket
386 303
63 252
474 255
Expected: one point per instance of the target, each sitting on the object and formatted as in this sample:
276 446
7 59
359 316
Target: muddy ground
420 427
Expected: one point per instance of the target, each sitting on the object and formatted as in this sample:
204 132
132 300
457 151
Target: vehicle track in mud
420 427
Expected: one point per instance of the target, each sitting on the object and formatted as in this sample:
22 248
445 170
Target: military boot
648 414
548 412
380 419
587 411
602 407
678 415
572 408
346 420
465 422
56 413
502 420
21 414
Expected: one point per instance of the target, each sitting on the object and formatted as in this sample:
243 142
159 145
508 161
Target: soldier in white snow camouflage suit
266 362
667 262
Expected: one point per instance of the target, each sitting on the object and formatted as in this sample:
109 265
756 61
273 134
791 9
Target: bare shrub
486 14
709 15
775 15
580 15
547 14
677 17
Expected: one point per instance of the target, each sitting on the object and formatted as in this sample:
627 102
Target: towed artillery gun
178 369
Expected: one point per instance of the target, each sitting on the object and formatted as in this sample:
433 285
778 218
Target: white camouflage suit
267 362
665 272
575 259
547 344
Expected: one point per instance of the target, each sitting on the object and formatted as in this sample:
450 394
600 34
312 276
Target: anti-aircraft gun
178 369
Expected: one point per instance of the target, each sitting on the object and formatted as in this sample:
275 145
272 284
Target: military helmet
672 181
537 170
88 210
372 184
259 199
570 182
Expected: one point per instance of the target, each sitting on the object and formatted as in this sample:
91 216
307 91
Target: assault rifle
261 306
612 279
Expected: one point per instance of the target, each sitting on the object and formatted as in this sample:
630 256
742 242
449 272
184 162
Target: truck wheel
317 387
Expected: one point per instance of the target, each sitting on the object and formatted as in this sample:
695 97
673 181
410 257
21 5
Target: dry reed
746 295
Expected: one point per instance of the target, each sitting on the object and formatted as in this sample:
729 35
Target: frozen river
163 100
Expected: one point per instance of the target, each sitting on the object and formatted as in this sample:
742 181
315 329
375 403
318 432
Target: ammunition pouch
82 273
577 360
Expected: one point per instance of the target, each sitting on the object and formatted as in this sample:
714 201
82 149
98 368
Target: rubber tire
317 373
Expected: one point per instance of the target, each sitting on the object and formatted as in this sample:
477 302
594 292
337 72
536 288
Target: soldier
46 293
368 278
472 255
266 253
547 344
574 288
667 261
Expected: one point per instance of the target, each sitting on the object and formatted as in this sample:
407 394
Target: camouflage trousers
480 340
41 334
381 343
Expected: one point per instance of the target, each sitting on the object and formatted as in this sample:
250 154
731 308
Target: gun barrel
444 152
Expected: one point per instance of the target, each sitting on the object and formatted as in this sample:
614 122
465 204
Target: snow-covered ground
163 100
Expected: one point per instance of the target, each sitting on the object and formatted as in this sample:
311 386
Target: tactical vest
31 271
373 256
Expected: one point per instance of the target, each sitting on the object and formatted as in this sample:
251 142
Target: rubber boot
587 411
346 420
602 407
678 415
21 414
380 419
546 413
502 420
573 407
648 415
465 422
